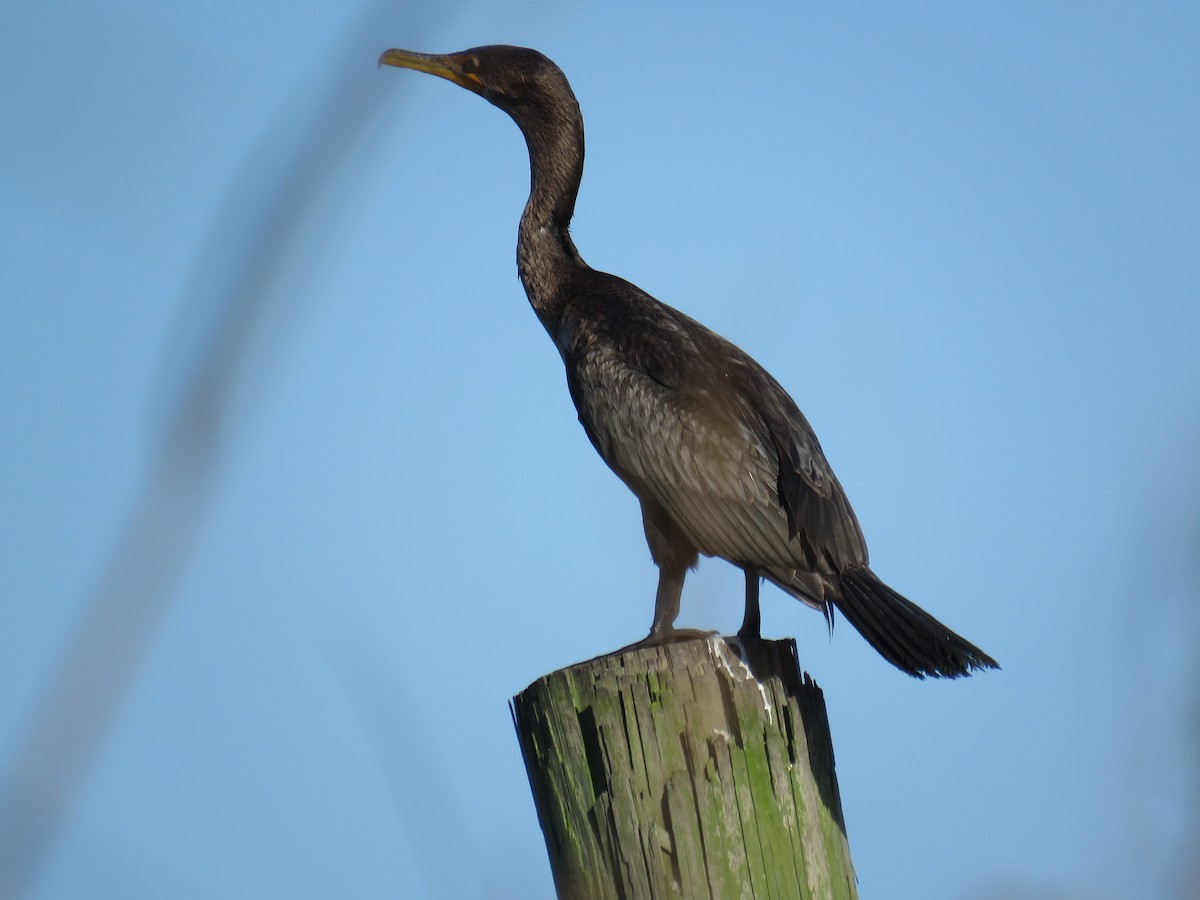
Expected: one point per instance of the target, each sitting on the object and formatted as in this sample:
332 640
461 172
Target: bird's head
509 77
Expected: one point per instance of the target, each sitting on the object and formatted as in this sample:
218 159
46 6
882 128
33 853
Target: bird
720 457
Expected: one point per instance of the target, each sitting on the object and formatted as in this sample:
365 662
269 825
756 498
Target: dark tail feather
903 633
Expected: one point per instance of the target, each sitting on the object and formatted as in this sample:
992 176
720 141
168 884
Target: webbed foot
668 636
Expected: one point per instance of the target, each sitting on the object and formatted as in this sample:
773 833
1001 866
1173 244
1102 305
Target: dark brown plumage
721 458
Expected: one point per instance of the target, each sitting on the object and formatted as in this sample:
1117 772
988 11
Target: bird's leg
752 624
673 554
666 608
666 603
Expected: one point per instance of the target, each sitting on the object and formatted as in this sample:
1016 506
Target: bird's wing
673 440
818 511
690 420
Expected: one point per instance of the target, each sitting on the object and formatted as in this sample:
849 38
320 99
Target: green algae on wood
702 769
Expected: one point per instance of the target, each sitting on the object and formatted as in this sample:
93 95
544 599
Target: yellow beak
448 66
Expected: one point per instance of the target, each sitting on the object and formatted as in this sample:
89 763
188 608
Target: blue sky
964 238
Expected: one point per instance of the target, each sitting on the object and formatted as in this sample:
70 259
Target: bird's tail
903 633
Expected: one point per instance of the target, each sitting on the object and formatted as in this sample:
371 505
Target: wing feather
690 421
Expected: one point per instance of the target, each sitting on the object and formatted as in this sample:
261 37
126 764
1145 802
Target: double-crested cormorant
721 458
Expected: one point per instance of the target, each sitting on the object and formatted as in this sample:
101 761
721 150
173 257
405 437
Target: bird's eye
470 65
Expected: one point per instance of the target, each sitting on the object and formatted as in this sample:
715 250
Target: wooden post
699 769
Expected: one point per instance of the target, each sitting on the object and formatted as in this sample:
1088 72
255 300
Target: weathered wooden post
700 769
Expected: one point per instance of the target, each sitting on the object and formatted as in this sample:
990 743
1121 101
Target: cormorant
721 458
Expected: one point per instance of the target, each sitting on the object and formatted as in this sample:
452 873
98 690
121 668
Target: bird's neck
546 255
